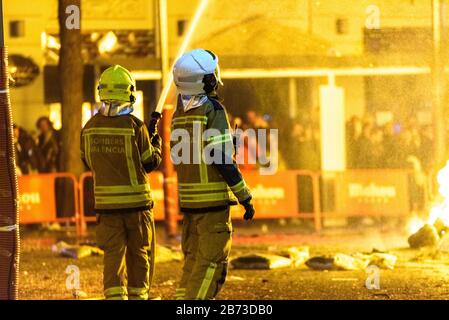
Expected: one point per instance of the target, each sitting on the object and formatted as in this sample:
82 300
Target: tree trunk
71 69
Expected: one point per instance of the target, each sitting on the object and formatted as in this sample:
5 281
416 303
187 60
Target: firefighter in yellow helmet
209 181
118 149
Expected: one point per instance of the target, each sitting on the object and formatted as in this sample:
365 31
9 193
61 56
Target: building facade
247 35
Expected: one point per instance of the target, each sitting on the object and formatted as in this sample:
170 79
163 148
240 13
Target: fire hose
167 95
168 85
9 215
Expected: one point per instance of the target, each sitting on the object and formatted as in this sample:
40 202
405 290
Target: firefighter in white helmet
206 188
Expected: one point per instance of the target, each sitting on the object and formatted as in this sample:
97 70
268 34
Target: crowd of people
249 145
368 145
406 145
393 146
37 153
298 141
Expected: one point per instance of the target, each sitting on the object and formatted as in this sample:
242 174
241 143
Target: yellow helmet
117 84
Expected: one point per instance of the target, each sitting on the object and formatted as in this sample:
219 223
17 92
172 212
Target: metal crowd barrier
42 198
274 196
286 194
372 192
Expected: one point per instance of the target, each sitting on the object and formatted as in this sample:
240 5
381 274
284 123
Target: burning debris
430 233
163 254
426 236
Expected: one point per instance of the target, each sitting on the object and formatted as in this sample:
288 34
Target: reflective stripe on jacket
203 184
118 150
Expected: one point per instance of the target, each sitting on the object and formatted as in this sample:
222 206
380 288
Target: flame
439 210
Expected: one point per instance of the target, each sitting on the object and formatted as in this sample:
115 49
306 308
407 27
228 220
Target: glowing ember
438 211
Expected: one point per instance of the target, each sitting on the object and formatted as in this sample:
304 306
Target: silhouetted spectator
308 150
353 133
48 145
377 149
391 146
426 148
27 158
408 147
364 147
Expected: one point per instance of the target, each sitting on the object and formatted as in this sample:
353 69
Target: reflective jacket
204 184
119 152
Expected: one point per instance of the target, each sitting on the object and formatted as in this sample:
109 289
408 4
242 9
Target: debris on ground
347 262
163 254
261 261
432 236
55 226
78 294
427 236
75 251
298 255
321 263
339 261
166 254
234 278
440 227
275 259
382 295
358 261
382 260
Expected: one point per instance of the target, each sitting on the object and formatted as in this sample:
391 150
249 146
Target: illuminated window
86 113
55 115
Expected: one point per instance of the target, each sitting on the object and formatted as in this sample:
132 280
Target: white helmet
190 69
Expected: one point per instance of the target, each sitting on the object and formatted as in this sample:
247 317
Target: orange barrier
275 196
86 210
367 192
286 194
37 193
278 196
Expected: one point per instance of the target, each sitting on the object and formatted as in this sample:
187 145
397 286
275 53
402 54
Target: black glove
249 209
156 141
152 127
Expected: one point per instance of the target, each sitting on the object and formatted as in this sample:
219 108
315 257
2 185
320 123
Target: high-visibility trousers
126 239
206 244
